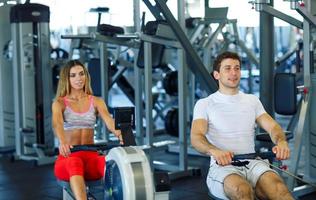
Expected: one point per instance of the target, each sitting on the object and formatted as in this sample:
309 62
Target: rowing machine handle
92 147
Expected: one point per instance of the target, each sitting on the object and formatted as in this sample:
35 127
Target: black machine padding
157 49
285 93
109 30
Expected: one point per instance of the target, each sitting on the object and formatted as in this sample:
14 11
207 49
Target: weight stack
6 83
32 76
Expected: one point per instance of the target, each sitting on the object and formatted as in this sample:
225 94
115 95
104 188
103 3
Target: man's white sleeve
259 108
200 110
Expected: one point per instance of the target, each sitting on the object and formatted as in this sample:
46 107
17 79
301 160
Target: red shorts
88 164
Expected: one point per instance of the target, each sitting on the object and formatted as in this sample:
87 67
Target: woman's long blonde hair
64 87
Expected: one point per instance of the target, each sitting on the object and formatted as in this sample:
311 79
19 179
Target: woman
74 115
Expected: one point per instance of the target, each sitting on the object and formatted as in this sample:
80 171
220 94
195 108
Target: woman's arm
58 127
106 117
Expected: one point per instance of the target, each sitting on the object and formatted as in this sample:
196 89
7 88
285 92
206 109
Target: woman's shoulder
59 103
97 100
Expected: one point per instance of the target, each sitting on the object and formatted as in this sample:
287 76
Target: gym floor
21 180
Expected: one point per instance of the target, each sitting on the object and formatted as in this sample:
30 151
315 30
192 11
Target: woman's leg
72 169
94 167
78 187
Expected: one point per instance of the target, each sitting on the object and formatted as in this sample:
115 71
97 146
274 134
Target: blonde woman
75 110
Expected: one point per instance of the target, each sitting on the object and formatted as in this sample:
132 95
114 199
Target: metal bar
80 36
286 56
181 13
157 40
310 138
95 36
249 53
17 80
303 11
148 99
267 61
308 38
213 37
302 190
182 96
118 41
291 20
196 65
117 75
298 141
303 122
153 10
104 76
39 104
183 124
235 29
306 53
206 3
138 80
104 66
139 108
148 92
196 33
136 16
122 62
294 119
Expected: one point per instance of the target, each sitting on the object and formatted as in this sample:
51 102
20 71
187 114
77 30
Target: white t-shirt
231 120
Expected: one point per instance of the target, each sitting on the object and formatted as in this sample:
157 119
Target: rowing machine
128 174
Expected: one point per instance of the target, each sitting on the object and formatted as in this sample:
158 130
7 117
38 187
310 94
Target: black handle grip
266 155
263 155
93 147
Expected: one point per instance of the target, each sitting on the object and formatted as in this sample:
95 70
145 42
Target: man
223 126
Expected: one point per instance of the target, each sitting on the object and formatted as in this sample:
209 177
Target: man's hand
281 150
64 149
222 157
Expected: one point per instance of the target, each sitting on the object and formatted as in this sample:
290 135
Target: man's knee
271 186
240 189
282 191
243 191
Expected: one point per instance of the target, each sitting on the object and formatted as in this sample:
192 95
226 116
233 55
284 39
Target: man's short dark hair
222 56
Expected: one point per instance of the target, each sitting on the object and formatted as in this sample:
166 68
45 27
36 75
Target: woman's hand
118 134
64 149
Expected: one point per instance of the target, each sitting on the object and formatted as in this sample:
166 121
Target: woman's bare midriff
80 136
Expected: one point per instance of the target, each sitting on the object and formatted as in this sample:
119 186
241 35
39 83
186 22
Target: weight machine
304 134
7 137
32 82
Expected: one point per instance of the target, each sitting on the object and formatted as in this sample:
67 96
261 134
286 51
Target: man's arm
277 135
201 144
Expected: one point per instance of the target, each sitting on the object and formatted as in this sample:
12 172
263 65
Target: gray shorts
217 174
